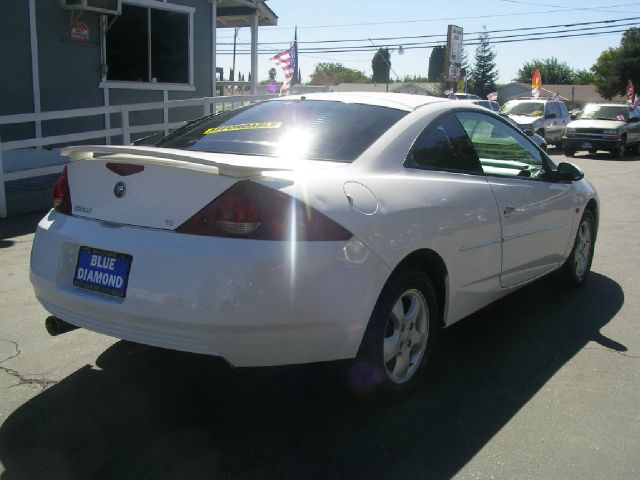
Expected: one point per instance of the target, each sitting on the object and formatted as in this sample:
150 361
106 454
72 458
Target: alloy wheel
406 334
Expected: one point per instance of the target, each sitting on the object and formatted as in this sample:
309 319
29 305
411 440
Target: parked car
548 118
604 126
537 139
310 228
488 104
466 96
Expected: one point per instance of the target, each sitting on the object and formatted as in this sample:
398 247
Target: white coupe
311 228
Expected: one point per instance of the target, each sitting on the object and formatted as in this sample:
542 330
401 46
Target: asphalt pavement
542 384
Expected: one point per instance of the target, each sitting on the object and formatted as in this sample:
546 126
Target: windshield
307 129
533 109
605 112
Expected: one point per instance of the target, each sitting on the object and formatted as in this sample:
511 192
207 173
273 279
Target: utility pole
235 37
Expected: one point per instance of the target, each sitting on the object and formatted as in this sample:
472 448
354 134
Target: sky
362 19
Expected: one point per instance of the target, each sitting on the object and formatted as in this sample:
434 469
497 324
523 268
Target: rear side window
306 129
444 145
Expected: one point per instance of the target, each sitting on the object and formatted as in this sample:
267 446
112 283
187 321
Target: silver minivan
548 118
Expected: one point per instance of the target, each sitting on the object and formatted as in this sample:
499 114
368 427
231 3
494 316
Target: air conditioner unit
107 7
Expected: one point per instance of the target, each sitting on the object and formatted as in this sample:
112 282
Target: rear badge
120 190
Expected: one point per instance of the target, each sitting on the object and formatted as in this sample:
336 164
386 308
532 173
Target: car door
460 210
633 127
552 117
536 215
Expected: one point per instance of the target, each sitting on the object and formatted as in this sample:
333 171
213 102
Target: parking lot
543 384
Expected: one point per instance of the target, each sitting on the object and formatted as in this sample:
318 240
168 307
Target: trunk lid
160 188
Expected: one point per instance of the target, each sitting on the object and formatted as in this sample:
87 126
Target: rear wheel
577 267
399 338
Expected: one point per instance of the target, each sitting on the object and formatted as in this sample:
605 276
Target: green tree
334 73
436 63
381 66
616 66
415 78
583 77
485 73
552 71
606 71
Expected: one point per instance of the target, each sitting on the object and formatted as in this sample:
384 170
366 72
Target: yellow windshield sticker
242 126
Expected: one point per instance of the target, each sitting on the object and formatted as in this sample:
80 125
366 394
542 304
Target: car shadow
18 226
152 413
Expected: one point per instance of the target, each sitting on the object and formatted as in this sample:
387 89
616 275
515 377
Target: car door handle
509 210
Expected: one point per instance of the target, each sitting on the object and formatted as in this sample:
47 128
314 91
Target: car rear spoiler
239 166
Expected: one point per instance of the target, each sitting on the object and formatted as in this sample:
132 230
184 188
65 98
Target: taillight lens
252 211
62 194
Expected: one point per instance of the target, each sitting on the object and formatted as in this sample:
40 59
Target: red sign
80 32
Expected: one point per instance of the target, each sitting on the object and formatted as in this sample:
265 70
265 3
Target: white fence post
124 123
3 193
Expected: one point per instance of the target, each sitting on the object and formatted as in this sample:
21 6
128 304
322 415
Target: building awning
237 13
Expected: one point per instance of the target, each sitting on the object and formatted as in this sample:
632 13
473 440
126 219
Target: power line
469 42
566 25
493 15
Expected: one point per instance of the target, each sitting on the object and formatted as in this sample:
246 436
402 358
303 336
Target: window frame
128 84
410 163
547 163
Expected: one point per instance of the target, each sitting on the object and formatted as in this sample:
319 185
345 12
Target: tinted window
552 107
308 129
501 149
444 145
563 109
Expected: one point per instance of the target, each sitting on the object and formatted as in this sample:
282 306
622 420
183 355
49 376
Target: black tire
577 267
376 373
635 150
568 151
620 150
593 151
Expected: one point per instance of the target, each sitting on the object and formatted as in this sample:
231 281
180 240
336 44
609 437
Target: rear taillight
252 211
62 194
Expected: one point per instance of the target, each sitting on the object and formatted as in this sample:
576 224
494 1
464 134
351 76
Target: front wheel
399 338
618 152
577 267
568 151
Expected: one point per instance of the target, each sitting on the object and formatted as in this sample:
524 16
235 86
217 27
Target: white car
311 228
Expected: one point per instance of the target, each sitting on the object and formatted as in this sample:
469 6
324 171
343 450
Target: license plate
103 271
586 145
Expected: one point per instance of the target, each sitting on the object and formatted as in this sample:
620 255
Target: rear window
307 129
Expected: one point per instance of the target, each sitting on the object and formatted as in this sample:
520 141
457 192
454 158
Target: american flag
288 62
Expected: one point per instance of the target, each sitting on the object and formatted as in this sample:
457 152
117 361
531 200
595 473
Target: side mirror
633 120
528 132
569 172
550 115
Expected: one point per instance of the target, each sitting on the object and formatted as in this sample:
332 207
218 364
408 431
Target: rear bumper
254 303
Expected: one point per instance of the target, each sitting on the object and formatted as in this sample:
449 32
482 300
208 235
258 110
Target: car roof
398 101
